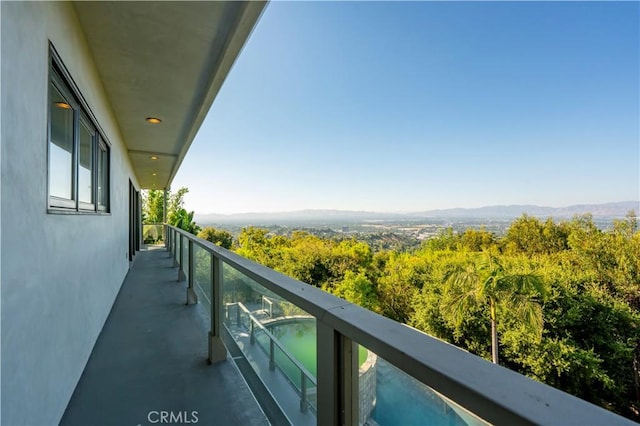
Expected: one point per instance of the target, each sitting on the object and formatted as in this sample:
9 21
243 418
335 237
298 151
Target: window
78 153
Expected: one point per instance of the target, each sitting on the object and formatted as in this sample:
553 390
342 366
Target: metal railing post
191 293
272 360
337 363
217 351
252 337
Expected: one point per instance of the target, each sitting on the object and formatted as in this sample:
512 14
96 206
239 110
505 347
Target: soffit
167 60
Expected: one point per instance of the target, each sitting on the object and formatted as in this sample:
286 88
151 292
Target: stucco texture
59 273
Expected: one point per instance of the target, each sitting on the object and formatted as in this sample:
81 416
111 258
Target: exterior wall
60 274
367 385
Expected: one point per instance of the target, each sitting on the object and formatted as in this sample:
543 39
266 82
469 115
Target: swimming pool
299 338
398 398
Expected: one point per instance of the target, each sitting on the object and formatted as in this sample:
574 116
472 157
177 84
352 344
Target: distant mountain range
299 216
618 209
597 210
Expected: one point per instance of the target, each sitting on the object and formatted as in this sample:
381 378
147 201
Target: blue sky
409 106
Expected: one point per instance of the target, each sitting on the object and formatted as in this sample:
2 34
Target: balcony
280 351
151 356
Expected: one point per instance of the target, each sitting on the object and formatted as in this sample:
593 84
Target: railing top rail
490 391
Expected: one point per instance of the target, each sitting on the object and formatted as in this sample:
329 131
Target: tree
477 240
307 259
446 239
349 255
153 205
184 220
358 289
217 236
256 244
399 283
175 203
488 284
627 226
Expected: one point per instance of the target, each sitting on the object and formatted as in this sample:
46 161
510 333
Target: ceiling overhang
168 60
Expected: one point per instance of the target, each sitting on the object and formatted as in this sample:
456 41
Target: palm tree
488 284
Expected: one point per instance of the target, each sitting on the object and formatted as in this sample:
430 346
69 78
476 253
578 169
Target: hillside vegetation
558 302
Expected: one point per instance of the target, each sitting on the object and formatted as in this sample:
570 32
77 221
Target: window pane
103 176
85 182
60 146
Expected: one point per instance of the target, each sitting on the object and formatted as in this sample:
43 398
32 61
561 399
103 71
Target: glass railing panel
278 339
290 369
185 256
176 246
202 276
389 396
310 391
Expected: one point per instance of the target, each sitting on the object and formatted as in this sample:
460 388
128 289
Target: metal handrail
305 375
297 363
490 391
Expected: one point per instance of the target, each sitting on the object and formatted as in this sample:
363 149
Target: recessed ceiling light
153 120
62 105
153 174
154 157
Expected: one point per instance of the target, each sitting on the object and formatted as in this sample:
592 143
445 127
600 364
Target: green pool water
299 339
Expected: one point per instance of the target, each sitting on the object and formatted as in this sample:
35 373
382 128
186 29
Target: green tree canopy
529 235
217 236
153 209
152 206
184 220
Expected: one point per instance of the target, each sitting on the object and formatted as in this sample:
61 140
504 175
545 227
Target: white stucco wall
59 273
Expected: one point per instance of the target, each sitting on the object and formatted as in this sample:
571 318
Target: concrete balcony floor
151 356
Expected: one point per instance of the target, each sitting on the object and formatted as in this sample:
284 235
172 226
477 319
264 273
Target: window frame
55 201
62 81
84 121
103 146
